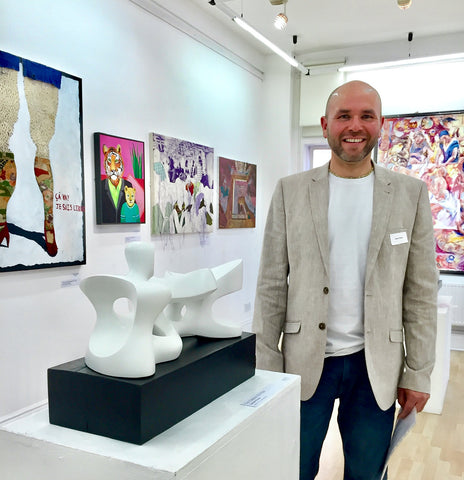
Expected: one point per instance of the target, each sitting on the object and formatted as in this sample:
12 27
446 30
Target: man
347 277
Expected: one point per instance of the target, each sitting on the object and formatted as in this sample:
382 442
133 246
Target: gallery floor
433 450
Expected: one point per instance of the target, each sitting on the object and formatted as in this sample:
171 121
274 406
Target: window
320 156
315 155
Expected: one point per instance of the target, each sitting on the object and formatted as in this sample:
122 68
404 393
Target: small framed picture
237 195
119 179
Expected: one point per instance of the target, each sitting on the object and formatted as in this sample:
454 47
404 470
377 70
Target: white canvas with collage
182 186
43 205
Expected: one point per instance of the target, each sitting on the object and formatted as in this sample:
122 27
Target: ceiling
332 24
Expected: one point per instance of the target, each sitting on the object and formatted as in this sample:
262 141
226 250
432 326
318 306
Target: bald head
352 125
354 88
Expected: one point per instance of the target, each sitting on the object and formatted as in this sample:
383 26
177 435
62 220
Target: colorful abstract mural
237 194
430 146
182 186
41 168
119 179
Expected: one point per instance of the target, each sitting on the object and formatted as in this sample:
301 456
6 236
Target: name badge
398 238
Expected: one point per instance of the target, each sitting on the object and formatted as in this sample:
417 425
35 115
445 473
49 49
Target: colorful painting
41 166
237 194
430 146
119 179
182 186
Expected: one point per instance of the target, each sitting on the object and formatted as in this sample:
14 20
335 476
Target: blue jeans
364 427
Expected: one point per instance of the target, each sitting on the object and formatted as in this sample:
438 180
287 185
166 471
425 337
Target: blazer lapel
383 197
319 205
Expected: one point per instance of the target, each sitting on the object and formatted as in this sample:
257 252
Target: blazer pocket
396 336
292 327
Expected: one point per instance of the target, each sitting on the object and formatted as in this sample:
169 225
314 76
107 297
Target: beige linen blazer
400 284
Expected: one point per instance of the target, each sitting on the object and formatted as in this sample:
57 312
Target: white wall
139 75
434 87
417 88
276 148
314 92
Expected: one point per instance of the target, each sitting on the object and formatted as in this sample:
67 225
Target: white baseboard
22 411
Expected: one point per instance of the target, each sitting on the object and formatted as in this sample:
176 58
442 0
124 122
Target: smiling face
352 123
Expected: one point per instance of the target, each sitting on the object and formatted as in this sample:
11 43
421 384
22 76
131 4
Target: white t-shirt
350 220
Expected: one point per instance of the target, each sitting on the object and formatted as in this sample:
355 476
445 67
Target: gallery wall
404 89
139 74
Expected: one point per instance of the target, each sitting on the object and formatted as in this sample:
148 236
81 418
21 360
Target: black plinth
135 410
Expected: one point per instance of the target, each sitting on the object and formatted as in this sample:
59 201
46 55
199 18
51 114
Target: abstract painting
430 146
237 194
182 186
119 179
41 166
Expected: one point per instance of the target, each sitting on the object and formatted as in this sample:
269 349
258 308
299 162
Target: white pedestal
440 374
250 433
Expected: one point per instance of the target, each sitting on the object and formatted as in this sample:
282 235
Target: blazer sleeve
271 293
420 301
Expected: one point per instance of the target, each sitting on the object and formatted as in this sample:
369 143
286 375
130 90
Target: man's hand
408 399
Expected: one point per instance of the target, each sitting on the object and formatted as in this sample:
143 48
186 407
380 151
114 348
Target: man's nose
355 124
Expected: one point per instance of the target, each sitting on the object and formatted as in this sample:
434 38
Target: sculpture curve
121 344
198 318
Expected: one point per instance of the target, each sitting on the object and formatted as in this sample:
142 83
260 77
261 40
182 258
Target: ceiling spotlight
280 21
404 4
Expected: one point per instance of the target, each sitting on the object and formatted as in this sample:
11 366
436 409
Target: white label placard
398 238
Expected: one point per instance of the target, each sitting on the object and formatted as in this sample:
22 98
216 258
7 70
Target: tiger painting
113 186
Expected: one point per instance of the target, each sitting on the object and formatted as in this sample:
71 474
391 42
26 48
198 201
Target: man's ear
324 126
381 126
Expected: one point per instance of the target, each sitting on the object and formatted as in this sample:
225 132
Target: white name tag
398 238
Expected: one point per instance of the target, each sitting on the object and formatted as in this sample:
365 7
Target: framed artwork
237 194
41 166
119 179
430 146
182 186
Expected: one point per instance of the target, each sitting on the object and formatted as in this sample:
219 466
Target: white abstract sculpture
163 309
121 344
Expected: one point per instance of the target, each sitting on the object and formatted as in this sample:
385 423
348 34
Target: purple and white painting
182 186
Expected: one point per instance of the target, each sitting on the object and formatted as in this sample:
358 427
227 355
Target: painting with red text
41 166
430 146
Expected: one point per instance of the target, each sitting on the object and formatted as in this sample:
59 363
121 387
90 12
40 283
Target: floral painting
237 194
119 179
182 186
430 146
41 168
